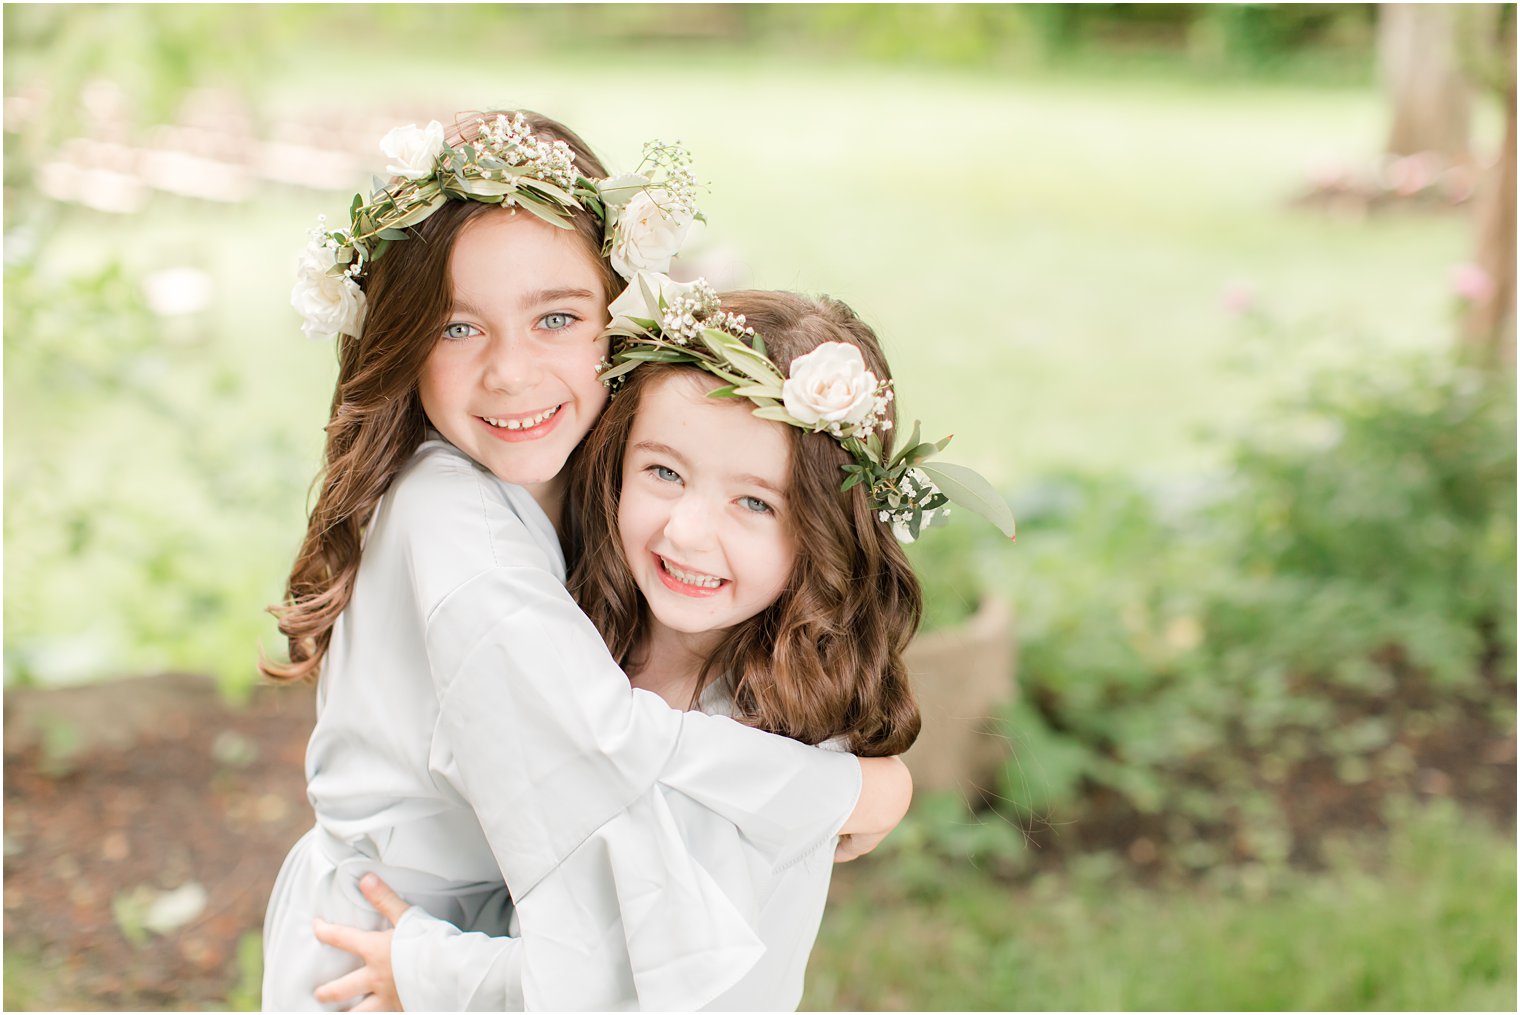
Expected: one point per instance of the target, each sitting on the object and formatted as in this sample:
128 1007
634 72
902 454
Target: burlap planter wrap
965 679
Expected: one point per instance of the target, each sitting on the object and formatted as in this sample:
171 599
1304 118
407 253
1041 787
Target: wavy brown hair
376 418
825 659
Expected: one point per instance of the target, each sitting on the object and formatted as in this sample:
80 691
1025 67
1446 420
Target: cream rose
330 304
830 384
413 150
649 234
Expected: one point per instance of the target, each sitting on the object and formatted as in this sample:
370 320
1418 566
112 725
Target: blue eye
665 475
459 331
756 505
557 321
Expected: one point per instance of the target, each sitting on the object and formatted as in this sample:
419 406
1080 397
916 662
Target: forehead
498 248
720 433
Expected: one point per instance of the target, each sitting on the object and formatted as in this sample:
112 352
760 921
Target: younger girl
471 726
729 572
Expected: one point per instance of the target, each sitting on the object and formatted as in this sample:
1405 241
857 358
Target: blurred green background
1238 351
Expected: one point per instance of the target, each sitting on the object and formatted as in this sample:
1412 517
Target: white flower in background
830 384
177 292
413 150
650 231
329 304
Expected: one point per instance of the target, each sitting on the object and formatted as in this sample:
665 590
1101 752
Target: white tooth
699 580
513 424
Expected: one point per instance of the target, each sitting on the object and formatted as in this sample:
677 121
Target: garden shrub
1183 652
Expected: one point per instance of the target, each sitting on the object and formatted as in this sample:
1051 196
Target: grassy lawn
1421 921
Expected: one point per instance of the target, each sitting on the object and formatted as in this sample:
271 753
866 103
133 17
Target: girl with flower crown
471 724
754 585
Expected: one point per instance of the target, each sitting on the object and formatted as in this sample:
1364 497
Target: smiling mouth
687 582
523 422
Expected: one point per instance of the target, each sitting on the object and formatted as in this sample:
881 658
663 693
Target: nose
690 525
511 366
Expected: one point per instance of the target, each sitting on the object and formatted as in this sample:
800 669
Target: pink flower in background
1238 298
1413 173
1471 283
1328 172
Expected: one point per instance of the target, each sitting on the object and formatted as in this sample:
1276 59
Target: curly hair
825 659
376 417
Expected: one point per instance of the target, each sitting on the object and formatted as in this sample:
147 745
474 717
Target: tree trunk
1418 66
1489 325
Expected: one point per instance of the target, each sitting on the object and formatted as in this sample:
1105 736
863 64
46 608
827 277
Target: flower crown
645 214
828 390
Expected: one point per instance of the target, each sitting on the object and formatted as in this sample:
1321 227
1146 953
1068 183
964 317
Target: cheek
634 522
772 559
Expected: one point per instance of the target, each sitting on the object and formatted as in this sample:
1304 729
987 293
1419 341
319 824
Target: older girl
730 572
471 726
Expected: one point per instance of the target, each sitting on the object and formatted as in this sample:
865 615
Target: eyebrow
655 447
533 299
529 300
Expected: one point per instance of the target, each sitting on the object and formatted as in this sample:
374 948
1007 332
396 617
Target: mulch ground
158 783
118 791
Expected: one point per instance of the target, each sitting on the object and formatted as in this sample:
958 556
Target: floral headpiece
646 213
828 390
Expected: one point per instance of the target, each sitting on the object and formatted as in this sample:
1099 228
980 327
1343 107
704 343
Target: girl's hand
374 980
856 845
886 789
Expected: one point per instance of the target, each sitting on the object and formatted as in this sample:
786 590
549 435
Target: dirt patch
116 793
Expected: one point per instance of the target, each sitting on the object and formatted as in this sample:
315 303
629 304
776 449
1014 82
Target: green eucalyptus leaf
727 391
969 490
775 412
476 187
652 355
418 212
759 391
627 366
550 214
857 478
912 441
392 233
549 190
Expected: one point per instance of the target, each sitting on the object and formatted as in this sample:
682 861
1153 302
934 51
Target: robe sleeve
568 771
439 967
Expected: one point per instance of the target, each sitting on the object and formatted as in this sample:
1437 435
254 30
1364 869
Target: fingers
371 1003
352 985
350 939
852 847
379 894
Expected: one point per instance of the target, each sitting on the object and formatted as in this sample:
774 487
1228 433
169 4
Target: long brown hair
825 659
376 417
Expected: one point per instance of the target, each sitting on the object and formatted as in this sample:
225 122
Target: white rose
632 303
830 384
329 304
413 151
650 231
